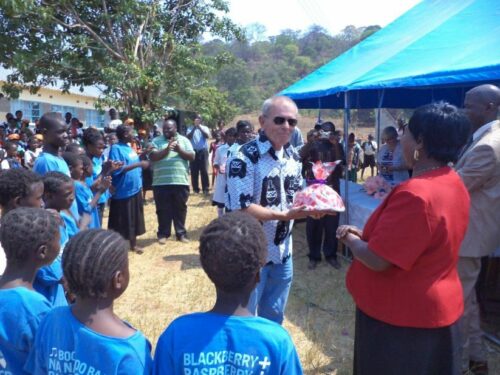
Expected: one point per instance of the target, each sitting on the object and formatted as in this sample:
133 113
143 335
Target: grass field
167 281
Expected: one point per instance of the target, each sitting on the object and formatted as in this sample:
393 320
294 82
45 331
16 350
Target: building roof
89 91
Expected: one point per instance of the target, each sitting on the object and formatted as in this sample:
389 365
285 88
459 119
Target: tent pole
347 116
380 101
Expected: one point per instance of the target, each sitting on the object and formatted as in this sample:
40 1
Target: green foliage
264 67
212 104
369 31
145 53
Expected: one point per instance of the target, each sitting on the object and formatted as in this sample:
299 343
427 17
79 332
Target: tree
255 32
145 54
369 31
212 104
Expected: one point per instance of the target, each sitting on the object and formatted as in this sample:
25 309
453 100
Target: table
359 204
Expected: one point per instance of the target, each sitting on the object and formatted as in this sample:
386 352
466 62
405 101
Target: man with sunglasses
262 179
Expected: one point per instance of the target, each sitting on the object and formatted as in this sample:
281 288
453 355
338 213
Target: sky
333 15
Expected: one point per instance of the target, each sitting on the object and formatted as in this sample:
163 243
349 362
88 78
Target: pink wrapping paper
318 196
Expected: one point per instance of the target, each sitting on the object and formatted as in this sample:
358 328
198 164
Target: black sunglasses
278 120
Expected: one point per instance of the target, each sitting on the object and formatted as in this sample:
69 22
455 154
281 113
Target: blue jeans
268 299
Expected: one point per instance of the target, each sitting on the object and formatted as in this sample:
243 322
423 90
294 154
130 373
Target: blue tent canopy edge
436 51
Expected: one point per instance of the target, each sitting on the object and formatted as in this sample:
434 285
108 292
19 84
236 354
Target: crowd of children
40 337
63 272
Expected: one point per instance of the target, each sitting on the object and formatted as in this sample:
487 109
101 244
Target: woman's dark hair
233 248
442 128
91 136
91 259
24 230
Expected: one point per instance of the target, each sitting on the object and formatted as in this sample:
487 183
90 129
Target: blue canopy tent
437 50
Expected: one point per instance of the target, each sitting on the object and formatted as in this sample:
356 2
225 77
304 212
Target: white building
51 99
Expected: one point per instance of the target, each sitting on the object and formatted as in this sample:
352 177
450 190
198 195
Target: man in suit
479 167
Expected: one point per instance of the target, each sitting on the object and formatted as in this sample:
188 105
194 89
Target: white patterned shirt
256 175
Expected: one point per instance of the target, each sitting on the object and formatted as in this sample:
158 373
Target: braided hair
90 260
16 183
24 230
233 248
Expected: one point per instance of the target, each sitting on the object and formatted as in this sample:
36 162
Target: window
62 109
31 110
94 118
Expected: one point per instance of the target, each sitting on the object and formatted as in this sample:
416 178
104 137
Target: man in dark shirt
321 232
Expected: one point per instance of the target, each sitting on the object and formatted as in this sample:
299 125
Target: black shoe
206 192
334 263
183 239
312 264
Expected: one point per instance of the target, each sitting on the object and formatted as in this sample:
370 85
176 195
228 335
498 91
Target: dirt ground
167 281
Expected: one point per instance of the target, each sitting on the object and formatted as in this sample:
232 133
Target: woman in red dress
403 278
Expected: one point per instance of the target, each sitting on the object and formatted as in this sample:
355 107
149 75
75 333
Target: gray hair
268 103
390 132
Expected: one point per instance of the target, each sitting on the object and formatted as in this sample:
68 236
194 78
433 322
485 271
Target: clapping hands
110 166
105 183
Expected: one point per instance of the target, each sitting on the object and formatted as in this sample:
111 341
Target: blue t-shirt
48 283
64 346
83 197
208 343
21 311
48 278
130 183
50 163
96 171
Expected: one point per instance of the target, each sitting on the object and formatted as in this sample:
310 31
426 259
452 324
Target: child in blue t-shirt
126 209
80 168
58 196
228 339
55 136
94 144
30 239
19 188
88 335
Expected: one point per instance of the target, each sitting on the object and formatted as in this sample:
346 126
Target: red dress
418 228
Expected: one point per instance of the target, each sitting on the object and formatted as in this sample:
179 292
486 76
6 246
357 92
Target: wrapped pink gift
319 196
